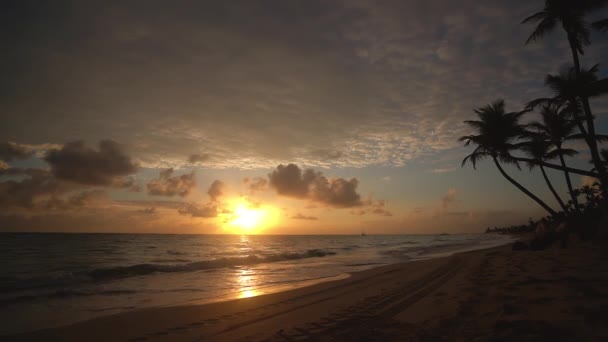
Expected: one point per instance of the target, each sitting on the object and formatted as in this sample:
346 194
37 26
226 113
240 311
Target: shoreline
66 319
422 278
492 293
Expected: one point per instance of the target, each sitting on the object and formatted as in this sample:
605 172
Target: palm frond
545 26
535 17
600 25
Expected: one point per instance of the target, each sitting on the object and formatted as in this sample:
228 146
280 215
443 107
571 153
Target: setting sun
248 218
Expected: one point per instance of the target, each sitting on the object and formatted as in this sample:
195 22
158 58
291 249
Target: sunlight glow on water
56 279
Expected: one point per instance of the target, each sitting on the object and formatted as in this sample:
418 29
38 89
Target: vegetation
565 116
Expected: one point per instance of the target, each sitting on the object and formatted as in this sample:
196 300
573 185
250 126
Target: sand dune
494 294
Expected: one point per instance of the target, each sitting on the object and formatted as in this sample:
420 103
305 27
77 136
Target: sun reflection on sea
246 278
249 293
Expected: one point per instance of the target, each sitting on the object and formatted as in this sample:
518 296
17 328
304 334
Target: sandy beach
492 294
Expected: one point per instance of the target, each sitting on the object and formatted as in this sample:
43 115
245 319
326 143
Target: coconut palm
572 90
571 15
538 149
497 133
557 126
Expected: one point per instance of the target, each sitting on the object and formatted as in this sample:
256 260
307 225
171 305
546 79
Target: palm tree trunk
577 63
569 182
524 190
591 141
557 167
550 186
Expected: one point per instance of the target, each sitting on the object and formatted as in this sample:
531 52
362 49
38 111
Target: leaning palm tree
573 90
496 137
538 149
571 15
557 126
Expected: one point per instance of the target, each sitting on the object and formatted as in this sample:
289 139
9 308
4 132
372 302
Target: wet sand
494 294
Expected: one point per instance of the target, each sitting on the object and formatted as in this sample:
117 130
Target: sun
246 218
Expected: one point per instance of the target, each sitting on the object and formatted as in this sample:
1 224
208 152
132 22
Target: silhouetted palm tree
538 149
556 126
496 137
571 15
571 90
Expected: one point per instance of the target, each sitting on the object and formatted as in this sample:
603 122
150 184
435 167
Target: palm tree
572 90
571 15
497 133
538 149
556 126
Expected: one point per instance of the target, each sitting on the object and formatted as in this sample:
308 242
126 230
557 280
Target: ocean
54 279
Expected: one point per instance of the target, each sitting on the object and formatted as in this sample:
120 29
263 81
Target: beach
491 294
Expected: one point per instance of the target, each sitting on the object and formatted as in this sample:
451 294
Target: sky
273 117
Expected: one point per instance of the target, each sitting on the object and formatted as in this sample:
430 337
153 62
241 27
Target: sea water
54 279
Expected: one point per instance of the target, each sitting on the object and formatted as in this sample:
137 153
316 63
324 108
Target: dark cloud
216 190
29 188
83 199
206 210
198 158
448 198
10 151
78 163
168 185
289 180
299 216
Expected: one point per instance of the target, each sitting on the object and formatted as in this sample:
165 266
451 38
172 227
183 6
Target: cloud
29 188
445 170
216 190
289 180
87 197
77 163
166 185
324 154
38 190
10 151
448 198
377 84
371 206
299 216
198 158
208 210
256 184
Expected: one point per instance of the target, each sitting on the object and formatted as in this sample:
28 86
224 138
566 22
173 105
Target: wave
102 274
169 260
145 269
